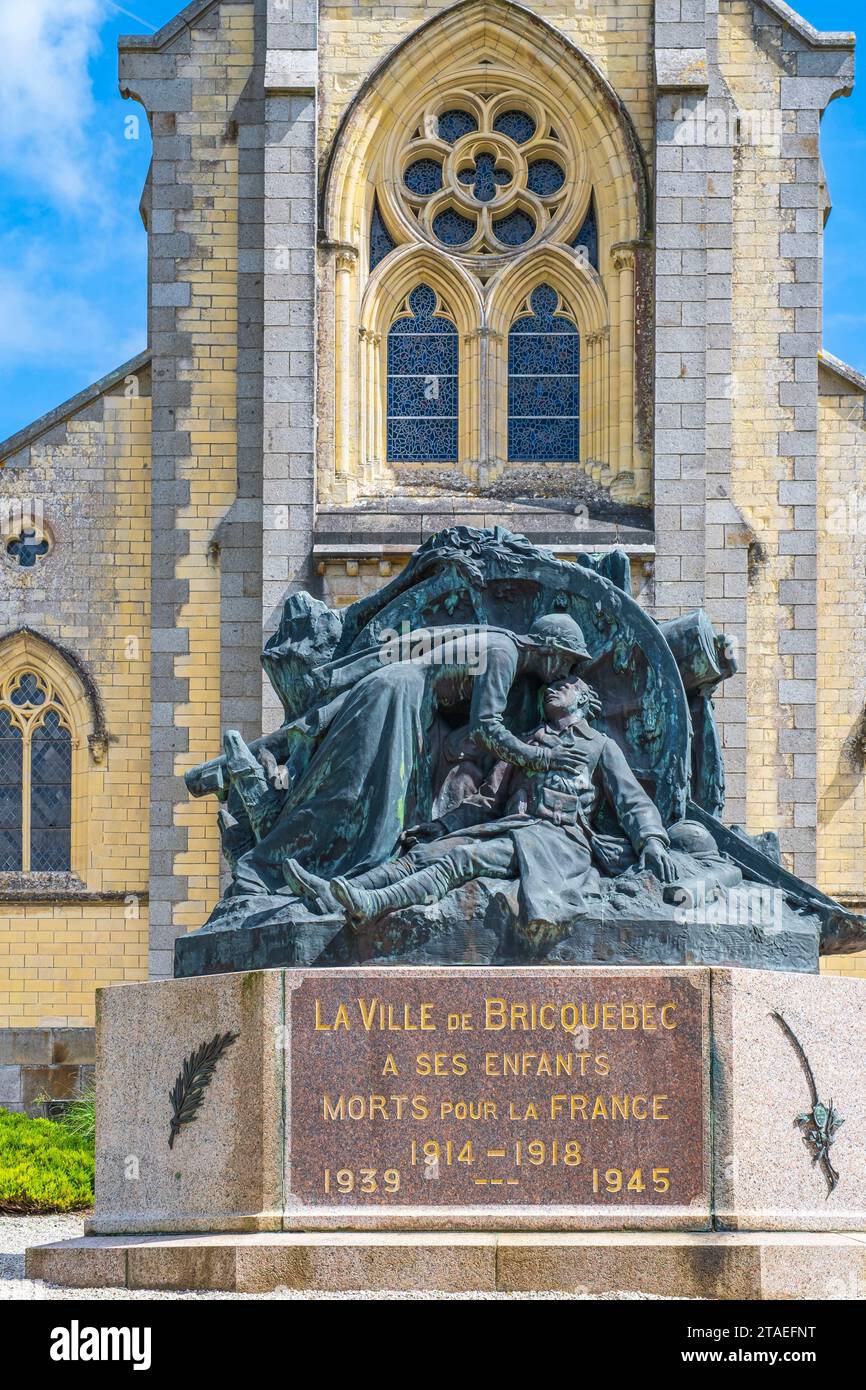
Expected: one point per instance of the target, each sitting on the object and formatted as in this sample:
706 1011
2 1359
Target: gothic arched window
35 776
422 381
544 382
485 160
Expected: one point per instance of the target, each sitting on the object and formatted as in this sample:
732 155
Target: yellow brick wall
91 596
219 64
53 958
842 651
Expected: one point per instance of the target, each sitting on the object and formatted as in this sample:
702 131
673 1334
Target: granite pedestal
569 1127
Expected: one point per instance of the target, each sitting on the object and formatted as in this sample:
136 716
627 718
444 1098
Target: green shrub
44 1166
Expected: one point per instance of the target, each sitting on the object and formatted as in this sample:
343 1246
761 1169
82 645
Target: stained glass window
517 125
481 183
50 796
588 235
27 691
423 177
381 241
544 383
452 124
484 177
11 772
35 777
452 228
544 177
422 383
514 229
27 548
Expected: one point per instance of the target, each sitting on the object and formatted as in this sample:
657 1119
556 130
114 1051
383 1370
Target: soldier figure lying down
538 827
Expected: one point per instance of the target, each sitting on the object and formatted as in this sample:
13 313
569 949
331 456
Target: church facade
555 267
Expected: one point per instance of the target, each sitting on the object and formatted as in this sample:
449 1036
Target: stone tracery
482 162
488 173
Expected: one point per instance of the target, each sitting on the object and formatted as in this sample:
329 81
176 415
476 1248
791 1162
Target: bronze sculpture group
497 738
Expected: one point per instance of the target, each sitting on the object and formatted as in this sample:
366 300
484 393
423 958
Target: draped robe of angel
363 764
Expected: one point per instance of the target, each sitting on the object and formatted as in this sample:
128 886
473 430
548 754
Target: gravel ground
17 1232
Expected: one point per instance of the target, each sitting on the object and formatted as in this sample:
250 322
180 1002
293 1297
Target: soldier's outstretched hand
656 858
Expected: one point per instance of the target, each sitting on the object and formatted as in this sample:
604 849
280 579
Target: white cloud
47 99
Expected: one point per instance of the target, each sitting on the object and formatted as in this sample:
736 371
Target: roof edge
815 38
28 433
164 36
841 369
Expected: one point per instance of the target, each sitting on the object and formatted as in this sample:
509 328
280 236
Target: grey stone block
807 93
10 1085
796 692
176 295
25 1045
73 1046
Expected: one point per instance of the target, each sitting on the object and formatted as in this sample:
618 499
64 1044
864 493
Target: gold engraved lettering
611 1016
441 1064
372 1107
341 1019
611 1107
544 1064
467 1110
395 1018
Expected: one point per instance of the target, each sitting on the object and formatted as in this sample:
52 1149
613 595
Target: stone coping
777 1265
29 433
60 888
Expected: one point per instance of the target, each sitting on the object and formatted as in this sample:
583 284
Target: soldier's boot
427 885
310 887
317 890
385 874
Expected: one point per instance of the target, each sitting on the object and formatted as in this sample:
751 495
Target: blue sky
72 247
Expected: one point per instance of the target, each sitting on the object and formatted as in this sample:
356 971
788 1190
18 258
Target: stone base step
788 1265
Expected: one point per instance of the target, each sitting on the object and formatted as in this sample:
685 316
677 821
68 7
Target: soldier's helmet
560 632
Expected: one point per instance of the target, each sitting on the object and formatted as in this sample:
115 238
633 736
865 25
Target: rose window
485 174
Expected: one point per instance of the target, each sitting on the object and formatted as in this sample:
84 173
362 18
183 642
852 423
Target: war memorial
433 669
493 997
